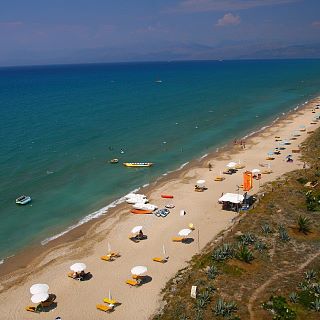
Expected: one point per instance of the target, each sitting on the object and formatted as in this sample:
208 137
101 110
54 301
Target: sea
60 125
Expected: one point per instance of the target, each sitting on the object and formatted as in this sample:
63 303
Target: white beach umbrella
231 164
109 247
256 171
39 288
40 297
201 183
164 251
184 232
139 270
136 229
78 267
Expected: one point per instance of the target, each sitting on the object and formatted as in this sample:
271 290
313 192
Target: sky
76 31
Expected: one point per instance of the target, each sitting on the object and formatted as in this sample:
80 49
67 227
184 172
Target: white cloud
228 20
224 5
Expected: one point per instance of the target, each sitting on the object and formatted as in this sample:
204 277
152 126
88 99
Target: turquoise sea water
60 125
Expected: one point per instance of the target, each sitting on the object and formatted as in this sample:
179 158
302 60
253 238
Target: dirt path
260 289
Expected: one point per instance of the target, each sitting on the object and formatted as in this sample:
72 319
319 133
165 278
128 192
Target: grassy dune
268 265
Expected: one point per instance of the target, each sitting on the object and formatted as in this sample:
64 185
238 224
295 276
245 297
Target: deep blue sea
60 125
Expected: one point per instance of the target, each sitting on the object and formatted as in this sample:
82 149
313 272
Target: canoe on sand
167 196
137 211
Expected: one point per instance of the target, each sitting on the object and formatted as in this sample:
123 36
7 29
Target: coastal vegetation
267 266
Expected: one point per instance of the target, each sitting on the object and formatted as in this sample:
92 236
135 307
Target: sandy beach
77 300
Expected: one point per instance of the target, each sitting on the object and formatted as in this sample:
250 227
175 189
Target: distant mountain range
169 52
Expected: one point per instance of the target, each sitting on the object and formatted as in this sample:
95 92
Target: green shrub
244 254
279 308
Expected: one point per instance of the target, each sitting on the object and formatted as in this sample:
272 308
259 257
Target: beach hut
231 201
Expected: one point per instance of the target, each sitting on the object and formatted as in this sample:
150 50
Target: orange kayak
167 196
137 211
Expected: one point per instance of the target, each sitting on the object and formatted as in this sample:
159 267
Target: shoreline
202 210
73 233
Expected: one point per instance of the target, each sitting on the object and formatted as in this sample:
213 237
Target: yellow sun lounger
178 239
108 257
219 178
110 301
104 308
133 283
31 309
270 158
160 259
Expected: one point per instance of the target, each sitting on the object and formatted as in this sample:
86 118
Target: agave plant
203 298
224 252
310 275
303 285
224 309
283 233
293 297
316 288
244 254
260 246
212 272
247 238
266 229
304 224
315 305
183 317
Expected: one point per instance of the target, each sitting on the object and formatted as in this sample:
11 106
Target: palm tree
304 224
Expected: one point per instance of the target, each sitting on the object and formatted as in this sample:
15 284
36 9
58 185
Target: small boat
137 211
23 200
114 161
167 196
138 164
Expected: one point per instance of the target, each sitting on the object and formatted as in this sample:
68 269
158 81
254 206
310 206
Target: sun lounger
219 178
160 259
108 257
104 307
31 308
133 238
270 158
110 301
178 239
133 283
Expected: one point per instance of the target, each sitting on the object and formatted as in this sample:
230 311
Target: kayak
167 196
137 211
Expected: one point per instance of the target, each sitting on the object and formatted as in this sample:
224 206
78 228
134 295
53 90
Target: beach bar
231 201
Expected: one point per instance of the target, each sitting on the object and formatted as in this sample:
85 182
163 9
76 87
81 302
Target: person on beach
210 166
140 235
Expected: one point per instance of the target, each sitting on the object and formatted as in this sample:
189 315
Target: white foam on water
91 216
204 156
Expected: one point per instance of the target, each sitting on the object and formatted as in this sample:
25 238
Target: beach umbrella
184 232
40 297
78 267
200 183
136 229
231 164
39 288
270 153
164 251
256 171
139 270
109 247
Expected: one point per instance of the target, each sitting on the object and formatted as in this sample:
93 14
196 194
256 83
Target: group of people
241 142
